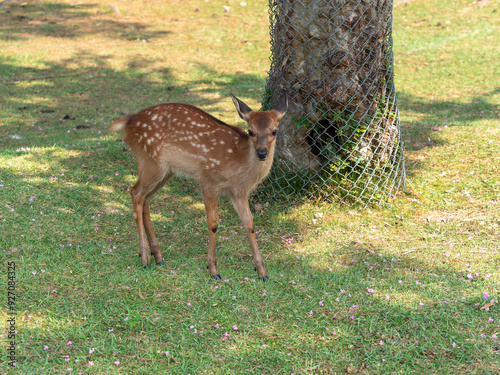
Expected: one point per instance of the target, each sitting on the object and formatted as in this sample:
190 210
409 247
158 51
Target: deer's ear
242 108
282 106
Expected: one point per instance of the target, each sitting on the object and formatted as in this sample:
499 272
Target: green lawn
395 289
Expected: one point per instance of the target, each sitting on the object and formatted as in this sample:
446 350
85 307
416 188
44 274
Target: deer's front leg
241 205
210 200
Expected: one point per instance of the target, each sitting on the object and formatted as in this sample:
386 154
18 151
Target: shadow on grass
62 20
449 111
376 319
439 113
420 134
61 114
77 210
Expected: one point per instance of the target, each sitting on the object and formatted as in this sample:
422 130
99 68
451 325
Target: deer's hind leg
151 179
211 199
152 240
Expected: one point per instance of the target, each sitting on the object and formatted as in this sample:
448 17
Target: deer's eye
250 133
275 131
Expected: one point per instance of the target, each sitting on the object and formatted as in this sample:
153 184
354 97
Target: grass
395 289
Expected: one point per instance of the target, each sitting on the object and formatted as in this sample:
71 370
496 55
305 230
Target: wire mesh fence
341 137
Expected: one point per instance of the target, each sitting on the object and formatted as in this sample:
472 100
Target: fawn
179 138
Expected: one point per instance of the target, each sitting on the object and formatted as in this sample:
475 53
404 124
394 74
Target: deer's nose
262 154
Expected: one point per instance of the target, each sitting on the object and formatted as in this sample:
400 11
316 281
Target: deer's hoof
161 263
216 277
147 266
265 278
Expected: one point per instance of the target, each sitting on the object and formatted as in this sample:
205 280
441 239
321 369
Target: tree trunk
334 59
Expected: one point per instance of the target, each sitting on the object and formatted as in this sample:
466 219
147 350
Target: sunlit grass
402 289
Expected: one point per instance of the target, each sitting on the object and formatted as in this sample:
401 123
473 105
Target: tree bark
334 59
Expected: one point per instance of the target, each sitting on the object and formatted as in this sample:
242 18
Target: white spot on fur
229 150
154 117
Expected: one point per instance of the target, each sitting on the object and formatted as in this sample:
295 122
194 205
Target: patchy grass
396 289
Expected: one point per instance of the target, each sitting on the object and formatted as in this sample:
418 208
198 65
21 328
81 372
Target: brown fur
178 138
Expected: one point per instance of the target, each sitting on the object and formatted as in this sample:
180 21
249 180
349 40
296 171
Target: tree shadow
439 115
405 309
61 111
62 20
436 113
